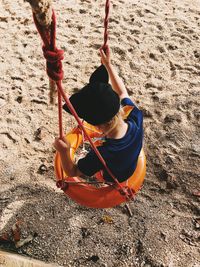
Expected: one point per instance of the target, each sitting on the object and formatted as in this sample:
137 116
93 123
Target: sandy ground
156 47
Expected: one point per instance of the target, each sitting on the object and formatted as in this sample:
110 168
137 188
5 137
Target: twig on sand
43 12
129 210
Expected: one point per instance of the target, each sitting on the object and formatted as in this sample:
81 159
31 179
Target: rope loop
54 64
127 192
52 54
62 185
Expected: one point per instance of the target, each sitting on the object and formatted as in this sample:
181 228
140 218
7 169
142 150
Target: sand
156 50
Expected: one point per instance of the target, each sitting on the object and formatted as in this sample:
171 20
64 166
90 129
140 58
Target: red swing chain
55 72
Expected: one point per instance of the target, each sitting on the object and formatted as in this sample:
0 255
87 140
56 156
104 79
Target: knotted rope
54 64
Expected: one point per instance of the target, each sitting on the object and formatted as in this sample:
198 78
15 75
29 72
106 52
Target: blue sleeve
136 114
90 164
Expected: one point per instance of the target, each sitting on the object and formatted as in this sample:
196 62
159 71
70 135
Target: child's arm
116 81
63 147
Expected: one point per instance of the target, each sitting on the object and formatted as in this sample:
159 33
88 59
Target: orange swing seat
86 194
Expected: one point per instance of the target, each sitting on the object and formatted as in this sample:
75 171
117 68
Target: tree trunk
43 11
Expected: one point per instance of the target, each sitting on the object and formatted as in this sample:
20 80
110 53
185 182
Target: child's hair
112 123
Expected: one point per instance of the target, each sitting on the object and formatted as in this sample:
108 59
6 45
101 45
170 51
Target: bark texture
42 10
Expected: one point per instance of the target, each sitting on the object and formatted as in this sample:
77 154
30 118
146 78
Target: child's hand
61 145
105 57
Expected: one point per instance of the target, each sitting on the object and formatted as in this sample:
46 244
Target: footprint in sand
161 49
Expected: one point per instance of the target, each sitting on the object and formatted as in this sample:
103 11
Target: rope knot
54 64
62 185
127 192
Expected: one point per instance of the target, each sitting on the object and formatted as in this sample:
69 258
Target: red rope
106 19
55 72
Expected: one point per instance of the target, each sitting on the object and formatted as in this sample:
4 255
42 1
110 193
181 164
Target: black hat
96 103
99 75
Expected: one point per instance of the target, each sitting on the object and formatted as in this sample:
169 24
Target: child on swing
98 103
